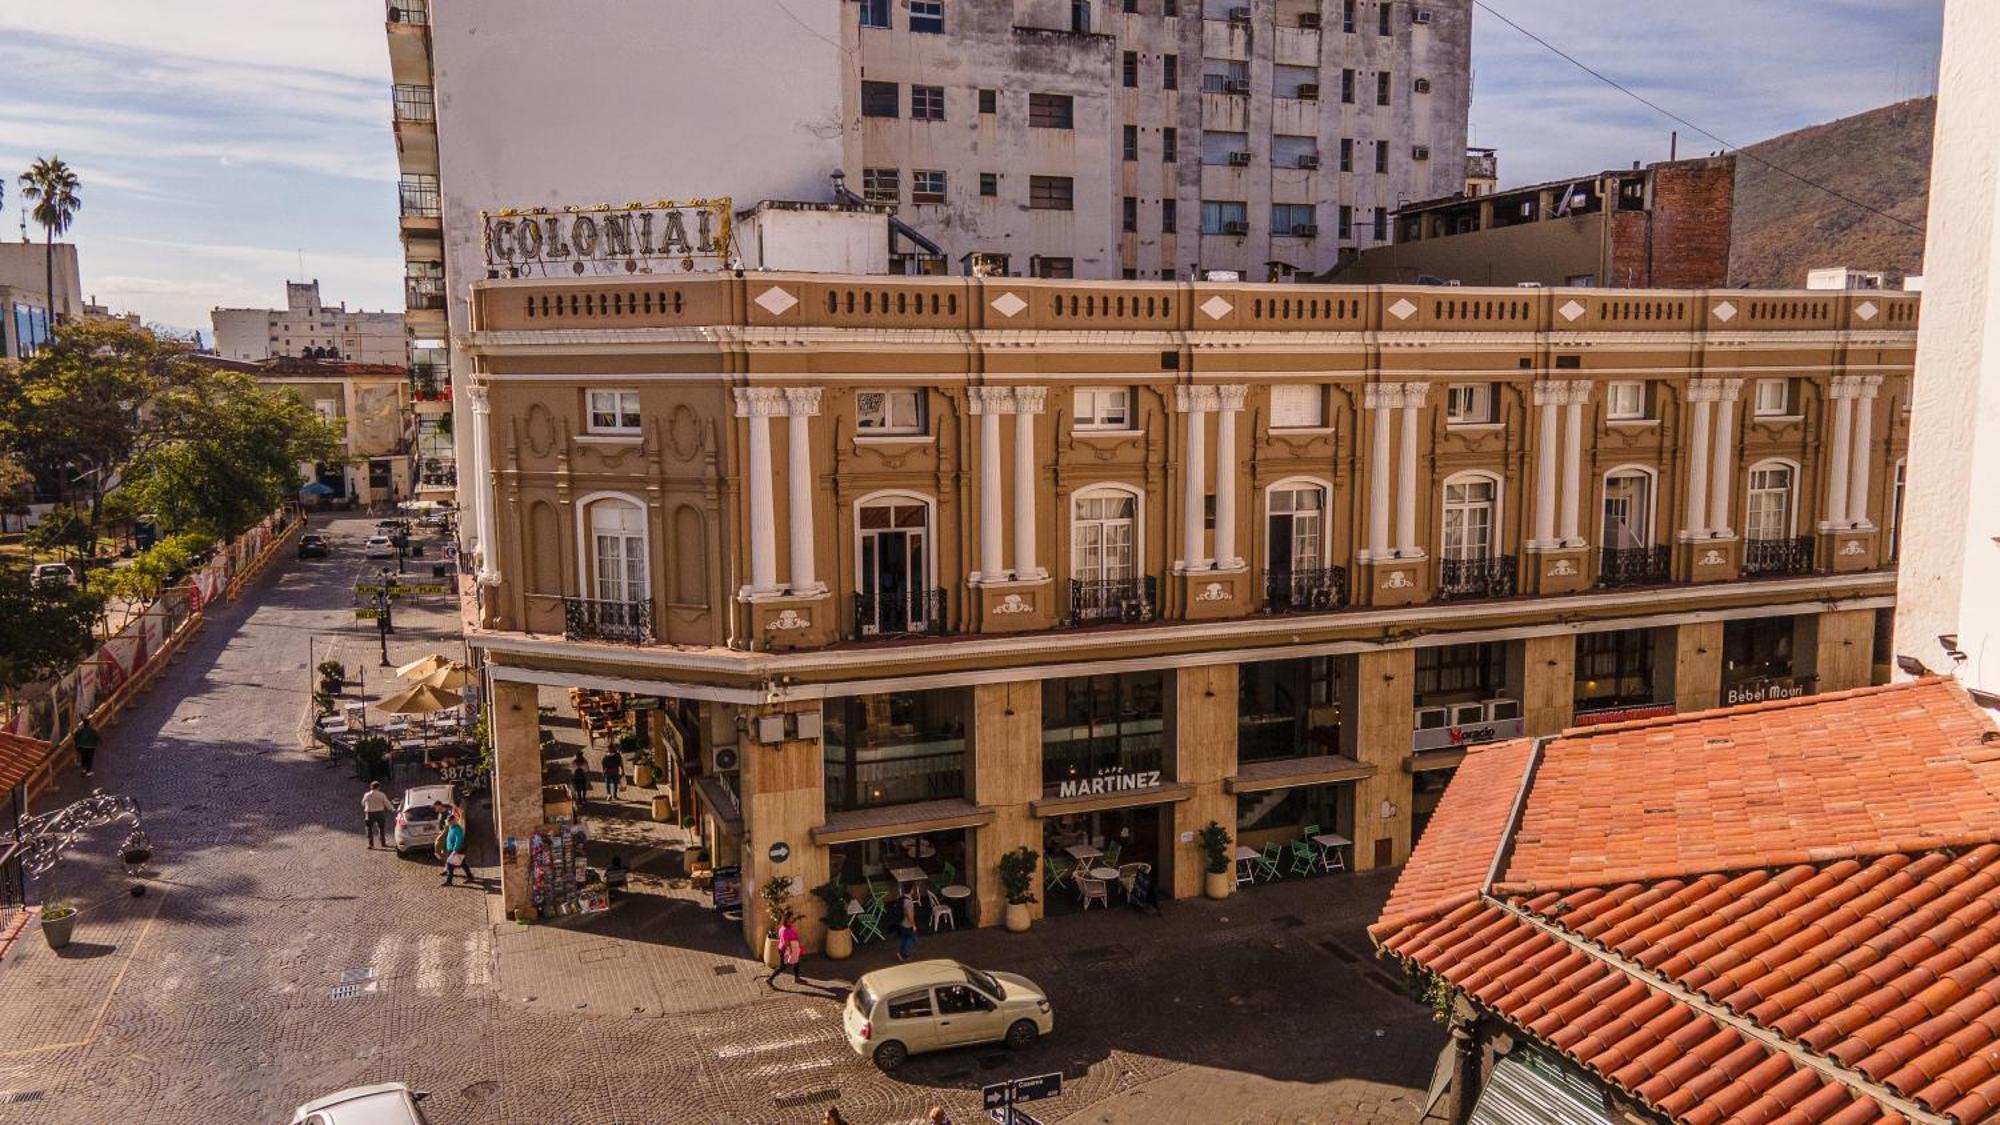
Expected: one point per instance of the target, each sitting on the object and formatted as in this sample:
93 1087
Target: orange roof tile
19 757
1788 912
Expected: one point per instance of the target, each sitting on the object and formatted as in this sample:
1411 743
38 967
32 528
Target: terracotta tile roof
1781 913
19 757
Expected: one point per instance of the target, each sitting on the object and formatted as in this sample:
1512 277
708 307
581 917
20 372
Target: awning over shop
1168 793
1434 759
1291 773
721 802
901 820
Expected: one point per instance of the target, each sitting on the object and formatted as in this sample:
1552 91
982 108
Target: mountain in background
1782 228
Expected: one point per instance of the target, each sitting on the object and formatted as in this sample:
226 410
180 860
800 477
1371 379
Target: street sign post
998 1099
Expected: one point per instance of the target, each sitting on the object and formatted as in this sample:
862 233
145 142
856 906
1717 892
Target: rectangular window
614 412
1347 16
874 13
1224 216
1170 72
889 412
1382 88
1051 111
1103 408
881 185
989 183
1225 76
1346 221
1131 7
1347 86
1103 726
1468 404
927 16
1131 142
1051 193
1773 398
1131 217
1381 156
1169 216
1382 11
1476 671
1132 68
927 187
927 103
413 103
1347 154
989 101
1297 406
1292 218
1055 267
896 748
1170 145
878 99
1624 401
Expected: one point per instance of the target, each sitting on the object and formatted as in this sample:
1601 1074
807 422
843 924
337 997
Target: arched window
618 566
1104 549
1471 516
1296 526
1628 508
896 592
1769 513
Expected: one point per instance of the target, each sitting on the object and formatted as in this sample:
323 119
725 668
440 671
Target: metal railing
1635 566
1128 600
413 102
1492 577
912 613
588 619
423 292
1765 557
1289 591
417 196
416 13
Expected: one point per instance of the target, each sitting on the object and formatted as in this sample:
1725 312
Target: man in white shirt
375 808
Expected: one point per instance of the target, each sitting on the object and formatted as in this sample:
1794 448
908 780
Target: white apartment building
307 328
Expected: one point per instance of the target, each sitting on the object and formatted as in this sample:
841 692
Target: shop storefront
1465 695
1623 674
1107 781
935 866
1758 661
1289 708
1298 813
896 748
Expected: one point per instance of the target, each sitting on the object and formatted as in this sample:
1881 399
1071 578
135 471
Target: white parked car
417 824
51 576
378 547
390 1103
905 1010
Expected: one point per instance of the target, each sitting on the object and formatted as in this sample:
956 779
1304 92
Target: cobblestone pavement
223 994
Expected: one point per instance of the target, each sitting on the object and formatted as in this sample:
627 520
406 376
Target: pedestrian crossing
432 964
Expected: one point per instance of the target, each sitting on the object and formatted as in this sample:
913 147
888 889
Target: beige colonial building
1004 562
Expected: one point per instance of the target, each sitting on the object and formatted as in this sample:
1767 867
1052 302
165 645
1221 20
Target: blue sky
217 139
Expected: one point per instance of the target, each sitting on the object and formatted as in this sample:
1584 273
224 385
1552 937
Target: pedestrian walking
908 926
937 1116
833 1116
87 741
454 851
614 772
375 809
790 953
579 782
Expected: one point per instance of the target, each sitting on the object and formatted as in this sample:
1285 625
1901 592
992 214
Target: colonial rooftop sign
607 239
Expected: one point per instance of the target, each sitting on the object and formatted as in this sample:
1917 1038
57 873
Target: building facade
307 328
371 405
1153 138
27 319
990 562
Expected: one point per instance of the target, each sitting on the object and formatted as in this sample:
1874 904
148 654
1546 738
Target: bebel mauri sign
608 239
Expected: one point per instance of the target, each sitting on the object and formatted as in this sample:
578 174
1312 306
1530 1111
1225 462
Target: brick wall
1683 241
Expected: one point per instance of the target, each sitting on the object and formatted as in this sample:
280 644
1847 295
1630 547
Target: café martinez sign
608 239
1115 781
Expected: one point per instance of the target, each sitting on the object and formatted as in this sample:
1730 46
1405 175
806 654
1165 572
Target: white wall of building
813 238
306 323
1949 580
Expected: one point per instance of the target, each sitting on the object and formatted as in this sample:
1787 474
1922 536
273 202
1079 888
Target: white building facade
308 328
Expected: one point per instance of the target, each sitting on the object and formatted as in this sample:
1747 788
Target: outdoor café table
908 876
1083 853
920 849
1243 857
1107 874
1328 842
958 895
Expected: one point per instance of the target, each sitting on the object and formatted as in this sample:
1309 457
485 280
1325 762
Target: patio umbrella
420 700
315 489
423 666
451 676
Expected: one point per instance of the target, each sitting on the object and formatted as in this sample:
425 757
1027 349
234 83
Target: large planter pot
770 952
1215 884
1017 918
661 811
839 944
642 775
57 931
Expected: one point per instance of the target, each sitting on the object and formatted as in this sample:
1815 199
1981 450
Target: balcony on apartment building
1123 600
1767 558
593 619
409 13
1305 591
906 613
1634 566
1466 579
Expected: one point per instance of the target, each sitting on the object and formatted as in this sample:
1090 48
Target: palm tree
51 185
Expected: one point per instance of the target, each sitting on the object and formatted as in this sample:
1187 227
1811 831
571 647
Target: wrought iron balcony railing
1766 557
1635 566
1291 591
1461 579
417 13
912 613
588 619
1128 600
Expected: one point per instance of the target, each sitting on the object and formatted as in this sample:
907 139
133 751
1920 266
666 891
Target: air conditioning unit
1423 85
770 729
1236 227
1309 91
1309 20
1236 86
1420 152
1421 15
1501 710
725 759
1239 160
1305 230
1239 15
1432 718
1309 160
1467 714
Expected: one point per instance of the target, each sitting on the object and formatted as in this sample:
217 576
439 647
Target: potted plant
58 919
776 895
332 676
322 702
1214 842
636 752
371 758
1017 882
832 895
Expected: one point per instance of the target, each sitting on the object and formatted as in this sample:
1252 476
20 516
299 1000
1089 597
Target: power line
1671 115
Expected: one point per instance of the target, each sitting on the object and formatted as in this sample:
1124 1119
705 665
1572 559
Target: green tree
47 630
51 186
65 531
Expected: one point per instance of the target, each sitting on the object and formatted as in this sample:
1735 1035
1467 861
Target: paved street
212 998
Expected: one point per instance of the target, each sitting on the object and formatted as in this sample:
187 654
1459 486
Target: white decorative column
1028 403
1721 473
1230 402
1194 402
1575 394
1839 452
482 482
1701 396
1864 456
1412 401
1548 396
985 403
801 406
758 404
1376 397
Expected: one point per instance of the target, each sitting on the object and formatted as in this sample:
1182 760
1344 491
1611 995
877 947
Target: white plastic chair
1093 890
940 913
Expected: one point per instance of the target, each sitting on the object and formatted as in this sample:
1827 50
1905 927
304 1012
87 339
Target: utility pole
383 625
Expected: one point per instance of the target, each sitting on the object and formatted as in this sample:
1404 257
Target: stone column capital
1030 400
1576 392
759 402
1702 390
1414 394
802 402
1374 396
1548 392
481 396
1195 400
1232 395
1728 390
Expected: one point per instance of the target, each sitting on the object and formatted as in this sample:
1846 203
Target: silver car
389 1103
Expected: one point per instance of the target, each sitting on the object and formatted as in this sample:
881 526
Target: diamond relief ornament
1217 308
1009 304
1866 310
1402 309
776 301
1570 310
1725 312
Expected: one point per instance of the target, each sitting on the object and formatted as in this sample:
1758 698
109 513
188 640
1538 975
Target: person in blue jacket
454 850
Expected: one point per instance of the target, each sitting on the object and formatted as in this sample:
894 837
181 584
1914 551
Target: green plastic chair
1111 853
876 896
1309 831
1305 860
1267 862
1055 872
950 875
869 922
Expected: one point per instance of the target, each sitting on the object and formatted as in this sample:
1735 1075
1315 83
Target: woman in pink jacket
790 953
